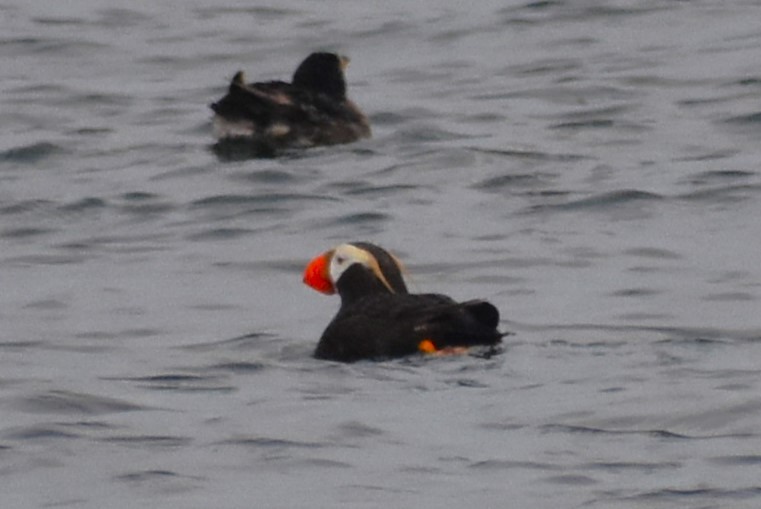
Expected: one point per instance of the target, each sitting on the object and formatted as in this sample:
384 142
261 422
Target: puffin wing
448 324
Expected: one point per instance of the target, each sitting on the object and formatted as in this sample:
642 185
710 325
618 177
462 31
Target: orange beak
316 274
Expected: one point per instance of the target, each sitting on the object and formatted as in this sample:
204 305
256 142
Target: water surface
590 167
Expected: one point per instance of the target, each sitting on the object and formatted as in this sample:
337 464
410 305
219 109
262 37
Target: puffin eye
340 260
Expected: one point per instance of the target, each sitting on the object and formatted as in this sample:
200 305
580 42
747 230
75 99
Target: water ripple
66 402
604 201
31 154
702 495
149 442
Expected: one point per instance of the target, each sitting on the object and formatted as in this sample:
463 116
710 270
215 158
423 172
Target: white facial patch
346 255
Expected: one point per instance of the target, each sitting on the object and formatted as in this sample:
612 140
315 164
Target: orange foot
429 348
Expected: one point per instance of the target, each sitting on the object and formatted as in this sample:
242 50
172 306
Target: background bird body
311 110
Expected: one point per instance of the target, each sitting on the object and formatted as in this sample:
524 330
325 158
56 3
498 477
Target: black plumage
378 320
311 110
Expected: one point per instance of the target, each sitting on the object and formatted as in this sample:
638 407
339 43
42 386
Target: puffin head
323 73
355 269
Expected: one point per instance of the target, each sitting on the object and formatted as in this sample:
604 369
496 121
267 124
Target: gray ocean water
591 167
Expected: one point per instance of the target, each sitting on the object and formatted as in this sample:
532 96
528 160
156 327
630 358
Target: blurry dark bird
380 319
311 110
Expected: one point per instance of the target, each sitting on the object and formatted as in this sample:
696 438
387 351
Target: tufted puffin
380 319
311 110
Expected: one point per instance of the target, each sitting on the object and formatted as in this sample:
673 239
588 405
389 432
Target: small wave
388 190
700 494
238 367
707 177
151 441
594 123
692 341
31 154
236 200
186 383
23 233
636 292
739 460
548 66
513 465
389 118
148 209
362 218
146 475
83 205
748 82
38 432
268 442
712 155
653 252
510 181
730 297
529 155
428 133
217 234
557 10
724 194
248 10
357 429
246 342
66 402
120 17
44 259
628 466
47 305
23 207
615 198
12 346
604 201
51 46
166 378
572 480
749 119
658 433
269 176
